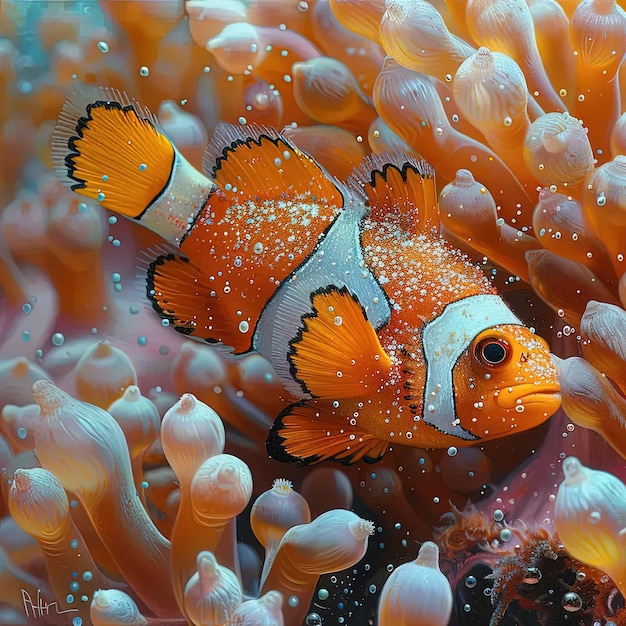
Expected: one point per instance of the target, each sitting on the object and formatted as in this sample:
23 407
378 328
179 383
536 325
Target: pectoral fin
336 353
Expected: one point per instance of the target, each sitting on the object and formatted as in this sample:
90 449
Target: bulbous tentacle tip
593 306
428 555
573 470
553 142
464 178
48 396
227 475
207 564
102 350
187 402
20 366
483 59
22 480
101 599
282 486
132 393
272 600
361 528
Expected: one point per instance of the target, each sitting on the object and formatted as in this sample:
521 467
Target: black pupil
494 352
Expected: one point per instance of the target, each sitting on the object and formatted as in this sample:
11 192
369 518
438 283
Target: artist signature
38 607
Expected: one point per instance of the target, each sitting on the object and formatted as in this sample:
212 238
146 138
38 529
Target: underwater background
519 108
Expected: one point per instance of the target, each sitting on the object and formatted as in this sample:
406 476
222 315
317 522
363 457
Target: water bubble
58 339
505 534
532 575
467 608
103 46
572 602
144 71
498 515
244 327
142 340
293 601
313 619
452 451
507 121
323 594
470 582
258 247
27 308
601 199
338 320
303 7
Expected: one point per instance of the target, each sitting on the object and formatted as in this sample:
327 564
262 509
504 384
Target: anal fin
313 431
336 353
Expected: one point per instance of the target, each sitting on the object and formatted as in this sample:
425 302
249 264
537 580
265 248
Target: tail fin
106 146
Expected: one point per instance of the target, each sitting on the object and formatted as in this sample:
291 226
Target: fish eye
492 352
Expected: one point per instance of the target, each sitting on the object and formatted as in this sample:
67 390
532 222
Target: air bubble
144 71
58 339
244 327
572 602
103 46
532 575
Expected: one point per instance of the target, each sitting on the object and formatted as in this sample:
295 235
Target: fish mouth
529 394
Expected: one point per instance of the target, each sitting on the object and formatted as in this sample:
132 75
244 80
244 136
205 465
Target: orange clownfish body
382 331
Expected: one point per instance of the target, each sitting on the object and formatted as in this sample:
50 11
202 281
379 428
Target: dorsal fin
257 162
400 182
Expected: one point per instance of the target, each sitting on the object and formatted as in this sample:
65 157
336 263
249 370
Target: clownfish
382 332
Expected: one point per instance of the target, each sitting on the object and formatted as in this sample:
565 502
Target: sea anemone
135 486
